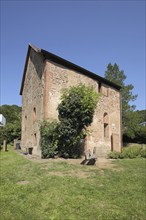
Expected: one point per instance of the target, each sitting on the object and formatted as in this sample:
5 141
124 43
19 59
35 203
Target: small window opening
99 87
34 114
106 125
105 130
35 139
25 124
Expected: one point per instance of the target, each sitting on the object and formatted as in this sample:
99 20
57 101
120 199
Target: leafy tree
132 131
140 135
142 115
135 132
78 105
117 76
10 132
76 112
132 125
12 129
11 113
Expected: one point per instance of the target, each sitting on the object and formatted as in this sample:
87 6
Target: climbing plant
75 114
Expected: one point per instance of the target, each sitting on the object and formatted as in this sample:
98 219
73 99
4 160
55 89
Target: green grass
61 191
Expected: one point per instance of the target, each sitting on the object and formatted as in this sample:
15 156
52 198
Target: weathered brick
42 86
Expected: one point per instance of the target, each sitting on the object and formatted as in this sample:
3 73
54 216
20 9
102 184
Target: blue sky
90 34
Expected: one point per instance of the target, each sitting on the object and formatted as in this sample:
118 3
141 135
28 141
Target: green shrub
76 112
114 155
49 139
69 140
129 152
143 152
78 104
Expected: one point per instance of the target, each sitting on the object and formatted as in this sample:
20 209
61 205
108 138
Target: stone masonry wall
44 81
32 102
59 77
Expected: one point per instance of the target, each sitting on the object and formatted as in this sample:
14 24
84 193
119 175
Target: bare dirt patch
101 163
24 182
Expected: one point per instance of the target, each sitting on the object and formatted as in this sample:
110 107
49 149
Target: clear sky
90 34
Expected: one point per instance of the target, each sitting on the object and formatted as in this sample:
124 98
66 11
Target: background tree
135 132
117 76
12 129
12 113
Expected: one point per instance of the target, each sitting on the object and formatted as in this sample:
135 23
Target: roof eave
77 68
66 63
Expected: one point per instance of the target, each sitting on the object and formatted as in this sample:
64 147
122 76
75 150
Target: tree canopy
76 112
12 113
117 76
130 118
12 129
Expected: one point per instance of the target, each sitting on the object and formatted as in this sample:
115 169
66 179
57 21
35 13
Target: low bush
114 155
129 152
143 152
49 139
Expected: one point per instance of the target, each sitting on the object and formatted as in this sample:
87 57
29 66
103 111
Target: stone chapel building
45 75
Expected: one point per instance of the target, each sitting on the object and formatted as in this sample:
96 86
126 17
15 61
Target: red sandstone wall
41 95
61 77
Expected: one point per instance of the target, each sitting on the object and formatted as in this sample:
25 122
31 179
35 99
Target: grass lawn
50 190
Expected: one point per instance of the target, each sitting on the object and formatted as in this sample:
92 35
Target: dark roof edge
25 67
66 63
77 68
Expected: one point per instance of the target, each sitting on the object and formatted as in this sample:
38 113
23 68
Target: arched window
34 114
35 139
106 125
